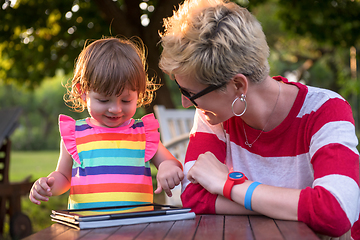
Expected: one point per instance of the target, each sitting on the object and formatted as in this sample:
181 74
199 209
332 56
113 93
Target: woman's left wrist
233 178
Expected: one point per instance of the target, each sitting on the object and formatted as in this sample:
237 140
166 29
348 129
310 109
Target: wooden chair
10 194
175 126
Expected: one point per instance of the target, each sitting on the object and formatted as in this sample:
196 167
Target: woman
299 142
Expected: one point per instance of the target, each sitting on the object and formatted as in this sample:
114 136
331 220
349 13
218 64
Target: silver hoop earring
242 98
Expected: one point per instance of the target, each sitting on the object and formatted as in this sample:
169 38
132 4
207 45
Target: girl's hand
209 172
41 190
169 175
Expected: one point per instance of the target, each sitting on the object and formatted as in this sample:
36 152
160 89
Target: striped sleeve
203 138
331 205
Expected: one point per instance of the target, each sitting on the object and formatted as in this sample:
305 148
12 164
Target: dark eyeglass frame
199 94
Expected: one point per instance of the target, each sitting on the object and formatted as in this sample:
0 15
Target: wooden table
207 227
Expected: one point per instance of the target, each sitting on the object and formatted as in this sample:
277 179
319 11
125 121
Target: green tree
312 41
40 110
39 37
335 22
331 28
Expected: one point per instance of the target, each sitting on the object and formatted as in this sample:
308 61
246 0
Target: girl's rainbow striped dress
111 166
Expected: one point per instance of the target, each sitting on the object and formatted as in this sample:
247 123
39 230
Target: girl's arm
63 172
170 170
57 182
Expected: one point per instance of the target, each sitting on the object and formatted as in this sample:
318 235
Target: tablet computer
120 215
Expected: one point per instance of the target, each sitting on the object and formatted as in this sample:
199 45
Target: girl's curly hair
108 66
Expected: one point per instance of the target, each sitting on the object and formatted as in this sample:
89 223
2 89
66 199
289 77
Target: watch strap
229 184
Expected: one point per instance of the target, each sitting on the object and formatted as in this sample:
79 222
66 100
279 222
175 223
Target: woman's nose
185 102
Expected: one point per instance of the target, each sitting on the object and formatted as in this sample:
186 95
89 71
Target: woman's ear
241 83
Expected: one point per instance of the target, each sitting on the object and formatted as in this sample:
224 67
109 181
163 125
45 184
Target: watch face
236 175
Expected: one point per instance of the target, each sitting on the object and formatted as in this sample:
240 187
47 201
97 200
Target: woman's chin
214 119
211 118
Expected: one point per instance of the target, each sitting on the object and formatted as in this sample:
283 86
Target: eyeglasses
199 94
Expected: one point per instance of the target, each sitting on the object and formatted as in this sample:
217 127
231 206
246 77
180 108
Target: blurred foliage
39 41
39 37
335 22
36 37
41 108
38 128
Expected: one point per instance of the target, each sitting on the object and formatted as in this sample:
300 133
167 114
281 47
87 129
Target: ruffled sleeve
67 133
152 135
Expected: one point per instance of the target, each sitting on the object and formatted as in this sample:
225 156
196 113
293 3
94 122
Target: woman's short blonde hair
213 40
108 66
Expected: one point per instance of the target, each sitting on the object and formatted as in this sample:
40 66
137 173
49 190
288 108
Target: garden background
314 42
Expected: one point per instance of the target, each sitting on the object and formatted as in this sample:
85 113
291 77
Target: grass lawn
37 164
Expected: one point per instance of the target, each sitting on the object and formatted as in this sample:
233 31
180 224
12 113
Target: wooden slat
5 161
173 122
99 233
295 230
210 227
264 228
203 227
48 233
155 231
5 148
15 189
2 213
72 234
183 230
237 228
128 232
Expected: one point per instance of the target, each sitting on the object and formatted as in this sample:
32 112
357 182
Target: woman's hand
41 190
209 172
169 175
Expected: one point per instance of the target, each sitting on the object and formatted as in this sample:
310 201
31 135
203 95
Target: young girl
104 159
